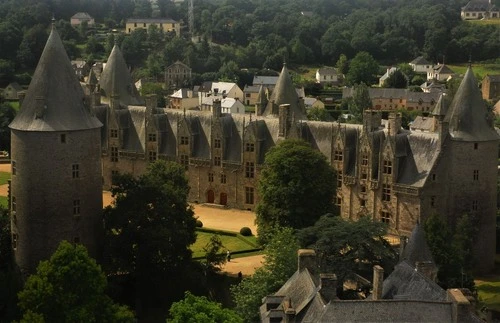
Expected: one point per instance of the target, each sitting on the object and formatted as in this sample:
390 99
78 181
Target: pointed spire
467 114
441 106
417 249
116 80
54 100
284 93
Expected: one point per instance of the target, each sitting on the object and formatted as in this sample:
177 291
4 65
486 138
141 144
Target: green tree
362 69
396 80
318 114
7 114
347 247
194 309
280 262
360 102
342 64
454 256
214 255
296 187
70 287
150 227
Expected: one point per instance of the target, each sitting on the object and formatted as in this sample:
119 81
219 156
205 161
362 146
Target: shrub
246 231
199 224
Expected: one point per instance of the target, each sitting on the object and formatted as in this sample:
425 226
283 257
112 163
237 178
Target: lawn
14 104
4 176
488 288
478 68
231 243
485 22
4 201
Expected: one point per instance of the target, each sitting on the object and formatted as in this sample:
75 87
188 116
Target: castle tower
472 167
284 93
117 81
56 187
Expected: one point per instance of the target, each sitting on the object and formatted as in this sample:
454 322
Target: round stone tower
56 186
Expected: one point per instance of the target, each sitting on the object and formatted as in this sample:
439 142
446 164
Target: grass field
4 201
15 105
478 68
4 176
488 288
231 243
495 22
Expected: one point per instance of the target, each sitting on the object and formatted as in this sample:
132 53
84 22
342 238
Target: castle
392 174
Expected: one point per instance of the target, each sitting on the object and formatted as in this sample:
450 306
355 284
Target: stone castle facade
394 175
397 176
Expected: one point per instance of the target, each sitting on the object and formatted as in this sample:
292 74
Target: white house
220 90
81 17
420 65
327 75
313 103
228 105
388 73
183 99
479 9
440 72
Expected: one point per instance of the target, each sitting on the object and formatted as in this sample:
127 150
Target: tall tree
348 247
360 102
193 309
362 69
342 65
280 262
296 187
7 114
70 287
150 226
396 80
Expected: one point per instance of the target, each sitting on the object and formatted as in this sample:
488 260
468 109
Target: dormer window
152 137
387 167
364 159
217 143
249 147
113 133
184 140
337 154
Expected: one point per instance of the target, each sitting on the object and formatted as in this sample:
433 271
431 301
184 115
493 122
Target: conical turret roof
467 115
417 249
284 93
55 99
116 80
441 106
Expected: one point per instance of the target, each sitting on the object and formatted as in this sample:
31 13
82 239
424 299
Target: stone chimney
378 282
461 307
284 120
217 108
307 260
427 268
394 123
328 287
151 101
372 120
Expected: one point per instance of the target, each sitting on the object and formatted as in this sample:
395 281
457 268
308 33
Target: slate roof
405 283
467 114
479 5
55 99
285 93
81 15
493 78
422 123
443 69
116 80
265 80
420 61
184 93
151 20
327 70
417 248
441 106
15 86
300 288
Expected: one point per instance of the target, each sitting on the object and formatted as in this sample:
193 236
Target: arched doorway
223 199
210 196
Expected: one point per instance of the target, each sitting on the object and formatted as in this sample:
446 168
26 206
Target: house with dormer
479 9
